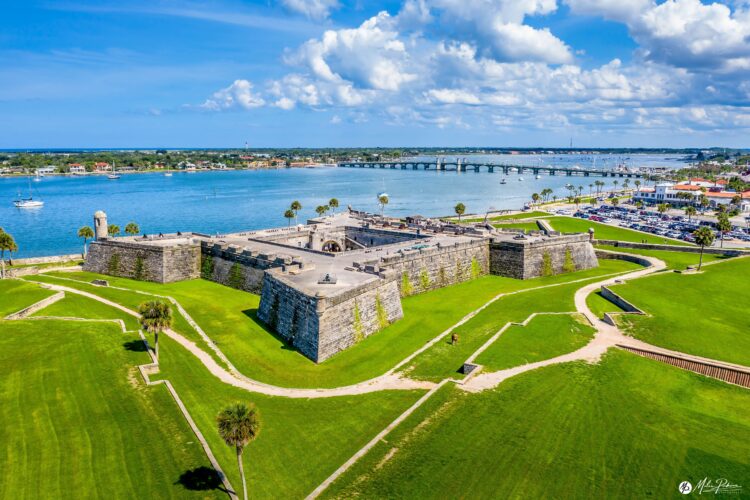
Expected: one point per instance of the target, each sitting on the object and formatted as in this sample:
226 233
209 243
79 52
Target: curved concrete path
386 382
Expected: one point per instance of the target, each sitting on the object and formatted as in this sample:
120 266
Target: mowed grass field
607 232
627 427
525 226
544 337
703 314
228 316
77 421
673 259
444 359
16 295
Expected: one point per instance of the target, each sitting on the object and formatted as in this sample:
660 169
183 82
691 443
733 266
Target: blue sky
362 73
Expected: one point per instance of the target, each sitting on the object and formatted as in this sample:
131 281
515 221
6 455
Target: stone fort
328 284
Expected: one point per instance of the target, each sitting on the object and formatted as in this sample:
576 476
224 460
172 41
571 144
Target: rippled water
235 200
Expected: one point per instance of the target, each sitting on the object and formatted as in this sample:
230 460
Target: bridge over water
459 165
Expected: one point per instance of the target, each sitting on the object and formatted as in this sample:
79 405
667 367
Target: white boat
37 177
538 177
520 179
114 175
168 174
29 202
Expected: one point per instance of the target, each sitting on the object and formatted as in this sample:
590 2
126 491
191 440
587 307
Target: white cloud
314 9
238 94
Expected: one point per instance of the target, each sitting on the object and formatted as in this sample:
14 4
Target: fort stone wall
320 326
162 264
525 259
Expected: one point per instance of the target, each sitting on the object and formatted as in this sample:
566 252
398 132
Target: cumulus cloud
238 95
314 9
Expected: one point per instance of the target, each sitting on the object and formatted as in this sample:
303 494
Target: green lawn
703 314
301 442
518 216
78 306
607 232
228 317
674 260
545 337
627 427
526 226
444 359
77 421
17 295
599 305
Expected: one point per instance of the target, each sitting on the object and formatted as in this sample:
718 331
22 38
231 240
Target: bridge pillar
552 171
536 171
569 173
414 166
505 169
490 168
585 174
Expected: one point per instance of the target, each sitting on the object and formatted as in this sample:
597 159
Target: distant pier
459 165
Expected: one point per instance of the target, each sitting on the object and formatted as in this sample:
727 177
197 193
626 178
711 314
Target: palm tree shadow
135 346
253 315
201 479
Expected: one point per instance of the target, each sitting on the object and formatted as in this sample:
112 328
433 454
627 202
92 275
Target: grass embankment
526 226
48 265
544 337
444 359
673 259
607 232
78 306
228 316
76 420
627 427
703 314
16 295
599 305
508 217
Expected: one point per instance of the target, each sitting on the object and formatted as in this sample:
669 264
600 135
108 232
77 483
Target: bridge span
464 166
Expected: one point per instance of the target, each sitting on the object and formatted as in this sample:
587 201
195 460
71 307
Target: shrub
547 265
139 273
568 266
476 269
459 271
406 287
442 276
236 276
424 279
359 333
207 267
382 314
113 267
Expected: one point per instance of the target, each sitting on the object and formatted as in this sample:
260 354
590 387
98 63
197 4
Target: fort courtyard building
330 283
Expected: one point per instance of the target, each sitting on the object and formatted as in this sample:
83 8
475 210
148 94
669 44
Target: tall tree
690 211
321 209
238 425
723 225
705 238
113 229
156 316
296 206
637 183
334 204
86 233
289 214
6 243
460 209
383 201
535 198
132 229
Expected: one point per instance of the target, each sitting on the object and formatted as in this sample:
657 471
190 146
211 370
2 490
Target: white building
668 192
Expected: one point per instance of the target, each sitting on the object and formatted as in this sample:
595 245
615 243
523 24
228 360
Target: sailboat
37 177
29 202
114 175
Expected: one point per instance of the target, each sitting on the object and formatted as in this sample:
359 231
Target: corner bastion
328 284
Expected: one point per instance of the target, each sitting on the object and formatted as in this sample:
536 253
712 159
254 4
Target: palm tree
577 201
156 316
639 204
132 229
6 243
615 202
113 229
460 208
662 207
625 184
382 201
535 198
723 225
321 209
86 233
705 238
690 211
591 187
289 214
239 424
296 206
637 185
737 200
334 204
